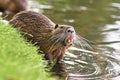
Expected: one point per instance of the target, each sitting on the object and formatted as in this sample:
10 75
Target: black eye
56 26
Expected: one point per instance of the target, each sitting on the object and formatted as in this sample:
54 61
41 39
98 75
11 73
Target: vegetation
19 59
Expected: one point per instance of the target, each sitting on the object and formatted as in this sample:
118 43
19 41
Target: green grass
19 59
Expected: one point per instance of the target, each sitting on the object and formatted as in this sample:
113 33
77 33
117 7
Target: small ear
56 25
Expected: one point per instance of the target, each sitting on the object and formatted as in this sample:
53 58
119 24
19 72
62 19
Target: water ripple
93 65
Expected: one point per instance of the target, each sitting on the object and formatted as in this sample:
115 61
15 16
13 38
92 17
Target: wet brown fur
39 29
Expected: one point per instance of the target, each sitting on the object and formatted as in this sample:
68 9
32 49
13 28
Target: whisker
86 43
83 42
79 41
55 39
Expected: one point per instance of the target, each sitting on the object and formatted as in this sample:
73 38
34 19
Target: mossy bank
19 59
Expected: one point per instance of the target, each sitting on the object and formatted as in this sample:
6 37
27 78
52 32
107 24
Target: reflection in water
97 21
113 36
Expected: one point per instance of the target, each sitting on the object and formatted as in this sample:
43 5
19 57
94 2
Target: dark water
99 22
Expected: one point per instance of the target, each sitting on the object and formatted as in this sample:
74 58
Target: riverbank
19 59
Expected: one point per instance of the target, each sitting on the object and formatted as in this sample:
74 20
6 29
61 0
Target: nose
70 30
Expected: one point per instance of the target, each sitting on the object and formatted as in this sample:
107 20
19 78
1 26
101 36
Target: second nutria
52 39
14 6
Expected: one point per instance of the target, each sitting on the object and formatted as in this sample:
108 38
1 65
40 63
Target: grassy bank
19 59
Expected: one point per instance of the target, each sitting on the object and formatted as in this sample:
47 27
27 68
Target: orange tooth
69 37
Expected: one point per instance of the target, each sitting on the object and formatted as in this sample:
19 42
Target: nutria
53 39
14 6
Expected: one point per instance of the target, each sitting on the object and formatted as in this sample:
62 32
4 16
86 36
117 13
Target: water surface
99 22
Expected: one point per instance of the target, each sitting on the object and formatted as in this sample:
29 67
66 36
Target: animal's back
32 19
35 26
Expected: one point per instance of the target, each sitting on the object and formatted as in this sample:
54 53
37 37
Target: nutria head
63 35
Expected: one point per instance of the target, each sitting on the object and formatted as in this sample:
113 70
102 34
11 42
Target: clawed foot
59 69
